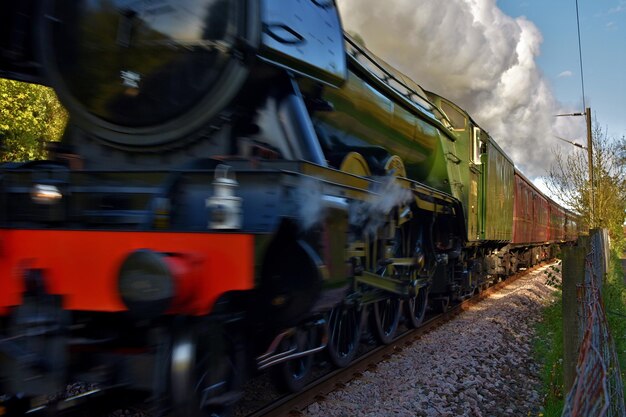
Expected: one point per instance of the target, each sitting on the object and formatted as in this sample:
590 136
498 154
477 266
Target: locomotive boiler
241 186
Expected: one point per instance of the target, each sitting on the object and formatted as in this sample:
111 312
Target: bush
30 116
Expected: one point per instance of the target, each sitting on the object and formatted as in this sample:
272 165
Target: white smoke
368 216
472 53
365 216
309 197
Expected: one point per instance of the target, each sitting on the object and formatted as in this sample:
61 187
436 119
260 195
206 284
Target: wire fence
597 390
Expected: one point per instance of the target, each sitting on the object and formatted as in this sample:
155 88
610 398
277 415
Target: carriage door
476 203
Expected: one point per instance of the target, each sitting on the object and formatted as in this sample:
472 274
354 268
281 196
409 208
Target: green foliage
548 353
30 116
548 345
614 295
569 181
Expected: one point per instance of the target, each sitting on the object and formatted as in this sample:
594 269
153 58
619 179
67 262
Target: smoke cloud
309 197
472 53
369 215
365 216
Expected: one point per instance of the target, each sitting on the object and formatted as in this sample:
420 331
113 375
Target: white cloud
567 73
621 7
472 53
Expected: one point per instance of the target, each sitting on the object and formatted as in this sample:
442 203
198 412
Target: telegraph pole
589 149
590 156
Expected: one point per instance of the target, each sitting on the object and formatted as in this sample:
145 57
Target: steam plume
369 215
366 216
470 52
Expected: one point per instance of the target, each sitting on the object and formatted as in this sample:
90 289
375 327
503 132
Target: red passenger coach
571 226
541 210
538 222
530 213
531 220
557 223
522 211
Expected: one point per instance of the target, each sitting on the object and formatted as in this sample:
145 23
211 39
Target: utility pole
589 149
590 156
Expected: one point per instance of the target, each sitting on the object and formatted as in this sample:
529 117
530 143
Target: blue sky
603 33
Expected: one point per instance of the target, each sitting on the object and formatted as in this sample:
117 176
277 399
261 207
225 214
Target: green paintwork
369 122
498 194
379 112
486 177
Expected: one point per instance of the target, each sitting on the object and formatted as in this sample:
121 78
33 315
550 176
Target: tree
621 146
568 179
30 116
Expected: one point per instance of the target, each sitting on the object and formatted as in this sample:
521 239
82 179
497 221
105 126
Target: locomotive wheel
205 372
416 307
354 163
385 319
395 166
344 334
293 375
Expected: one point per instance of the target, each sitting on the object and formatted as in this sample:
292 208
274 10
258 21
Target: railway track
293 405
95 402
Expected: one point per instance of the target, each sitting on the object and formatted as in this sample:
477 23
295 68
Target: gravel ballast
479 364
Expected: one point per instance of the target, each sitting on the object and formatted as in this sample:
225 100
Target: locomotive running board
426 198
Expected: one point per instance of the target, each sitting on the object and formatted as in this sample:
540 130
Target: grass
548 352
614 295
548 346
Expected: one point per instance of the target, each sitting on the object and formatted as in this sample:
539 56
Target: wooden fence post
573 273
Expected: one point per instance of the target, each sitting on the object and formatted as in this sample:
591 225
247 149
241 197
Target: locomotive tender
241 185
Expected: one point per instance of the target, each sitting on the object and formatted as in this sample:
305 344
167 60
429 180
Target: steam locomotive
241 186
